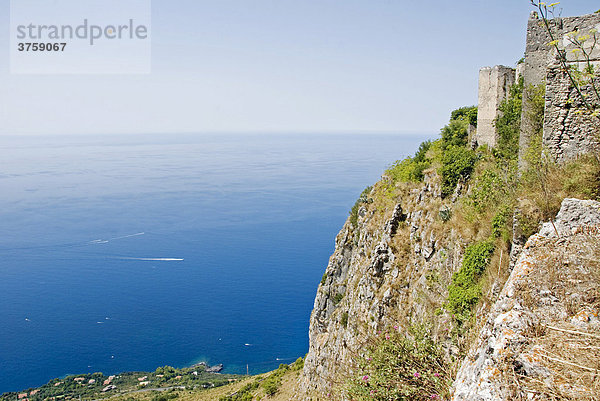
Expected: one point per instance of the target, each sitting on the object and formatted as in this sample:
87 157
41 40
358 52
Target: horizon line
200 133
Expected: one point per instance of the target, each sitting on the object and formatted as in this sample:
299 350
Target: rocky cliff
393 266
538 335
541 339
439 244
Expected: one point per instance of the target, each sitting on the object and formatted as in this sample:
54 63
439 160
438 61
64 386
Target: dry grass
573 357
570 351
544 187
495 276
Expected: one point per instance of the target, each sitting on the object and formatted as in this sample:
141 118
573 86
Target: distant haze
282 66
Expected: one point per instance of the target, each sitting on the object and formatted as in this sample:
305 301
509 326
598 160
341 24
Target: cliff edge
542 336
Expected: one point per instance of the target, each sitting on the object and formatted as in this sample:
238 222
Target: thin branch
569 363
544 11
573 332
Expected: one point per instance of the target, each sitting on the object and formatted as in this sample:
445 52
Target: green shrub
411 169
421 154
487 189
457 163
464 291
407 170
455 134
467 113
500 223
362 199
345 319
271 385
403 368
338 298
324 278
298 364
508 123
244 394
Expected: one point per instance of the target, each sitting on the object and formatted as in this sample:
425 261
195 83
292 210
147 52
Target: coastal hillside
196 383
422 271
470 271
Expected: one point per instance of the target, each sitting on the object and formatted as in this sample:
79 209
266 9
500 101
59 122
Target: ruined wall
494 86
561 127
569 129
395 262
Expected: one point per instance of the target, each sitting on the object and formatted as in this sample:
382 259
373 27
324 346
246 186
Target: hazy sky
283 66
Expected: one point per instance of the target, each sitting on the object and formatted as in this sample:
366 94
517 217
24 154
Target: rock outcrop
393 266
537 339
394 260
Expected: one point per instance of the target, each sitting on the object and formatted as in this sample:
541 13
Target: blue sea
125 253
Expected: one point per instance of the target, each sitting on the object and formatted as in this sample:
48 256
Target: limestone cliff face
542 336
393 263
393 266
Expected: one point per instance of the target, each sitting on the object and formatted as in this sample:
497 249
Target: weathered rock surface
215 368
574 215
569 128
552 290
392 267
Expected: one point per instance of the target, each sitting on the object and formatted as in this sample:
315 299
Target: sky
280 66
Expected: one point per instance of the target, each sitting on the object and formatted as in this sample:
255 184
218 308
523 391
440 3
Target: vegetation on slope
411 168
270 384
167 383
98 385
464 291
484 197
362 199
400 367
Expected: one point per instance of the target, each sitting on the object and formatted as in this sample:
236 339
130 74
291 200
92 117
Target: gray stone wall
564 131
494 86
569 129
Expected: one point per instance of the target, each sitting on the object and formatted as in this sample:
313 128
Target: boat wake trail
154 259
105 241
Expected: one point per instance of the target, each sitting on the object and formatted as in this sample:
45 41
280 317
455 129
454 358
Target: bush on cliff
362 199
457 163
456 159
464 291
411 169
467 113
450 151
401 367
455 134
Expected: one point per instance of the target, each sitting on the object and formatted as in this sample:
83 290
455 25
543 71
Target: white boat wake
105 241
155 259
127 236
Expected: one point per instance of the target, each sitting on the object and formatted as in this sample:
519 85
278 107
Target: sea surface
125 253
